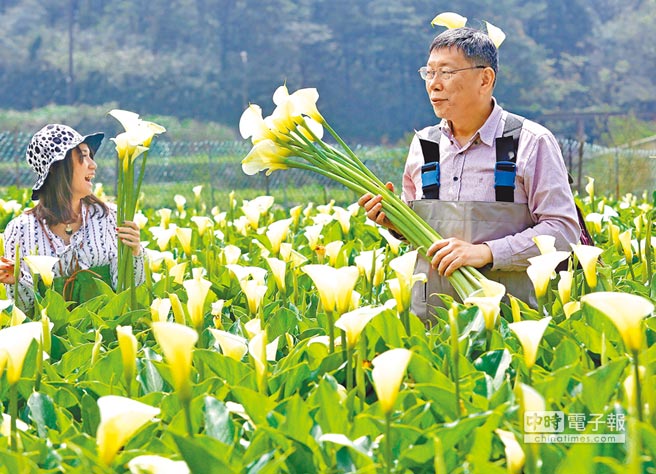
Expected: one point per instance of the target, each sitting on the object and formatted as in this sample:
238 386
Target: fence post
14 148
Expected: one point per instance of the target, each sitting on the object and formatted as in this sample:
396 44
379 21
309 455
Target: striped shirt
467 174
94 244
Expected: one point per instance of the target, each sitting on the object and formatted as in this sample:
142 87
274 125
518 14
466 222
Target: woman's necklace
68 229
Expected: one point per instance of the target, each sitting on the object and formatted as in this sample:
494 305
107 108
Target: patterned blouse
94 244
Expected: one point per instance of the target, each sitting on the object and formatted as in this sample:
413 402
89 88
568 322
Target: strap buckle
430 179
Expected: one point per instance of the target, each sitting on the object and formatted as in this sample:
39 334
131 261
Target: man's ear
488 78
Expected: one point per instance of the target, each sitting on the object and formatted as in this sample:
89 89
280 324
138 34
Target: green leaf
75 360
199 454
42 412
601 384
256 405
495 364
148 376
218 424
90 414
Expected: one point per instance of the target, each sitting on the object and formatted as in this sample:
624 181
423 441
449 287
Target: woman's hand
130 235
6 271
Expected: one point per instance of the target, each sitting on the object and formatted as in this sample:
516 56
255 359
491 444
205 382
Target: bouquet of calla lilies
132 144
291 137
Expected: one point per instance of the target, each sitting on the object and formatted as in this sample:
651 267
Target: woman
68 222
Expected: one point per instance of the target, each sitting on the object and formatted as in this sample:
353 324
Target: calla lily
257 350
570 308
626 311
140 220
313 233
495 33
305 102
277 233
590 188
180 202
488 300
177 342
251 124
5 425
15 342
541 270
393 242
515 457
197 290
404 267
546 243
353 322
254 292
253 327
530 334
625 242
595 219
42 265
332 250
265 155
278 270
335 285
153 464
343 216
387 374
178 272
288 254
588 255
178 310
450 20
159 309
17 316
231 254
120 419
197 190
232 345
203 223
371 261
244 273
614 234
531 400
565 286
163 236
128 345
164 216
184 237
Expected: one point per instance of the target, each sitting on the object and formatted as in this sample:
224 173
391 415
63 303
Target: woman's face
84 170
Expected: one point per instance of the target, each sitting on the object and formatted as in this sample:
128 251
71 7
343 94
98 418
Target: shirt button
455 178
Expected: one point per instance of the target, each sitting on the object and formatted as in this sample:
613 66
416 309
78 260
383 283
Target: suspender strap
430 171
506 168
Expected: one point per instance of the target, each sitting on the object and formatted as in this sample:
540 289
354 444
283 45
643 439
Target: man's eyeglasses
443 74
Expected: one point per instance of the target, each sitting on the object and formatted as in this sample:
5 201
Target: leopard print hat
51 144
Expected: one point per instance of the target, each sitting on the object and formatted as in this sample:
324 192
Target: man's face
454 96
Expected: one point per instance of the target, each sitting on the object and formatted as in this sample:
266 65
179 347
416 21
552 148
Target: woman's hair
55 196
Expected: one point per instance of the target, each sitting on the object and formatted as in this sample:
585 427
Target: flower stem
13 412
388 442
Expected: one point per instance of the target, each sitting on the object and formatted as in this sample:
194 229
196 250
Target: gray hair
474 44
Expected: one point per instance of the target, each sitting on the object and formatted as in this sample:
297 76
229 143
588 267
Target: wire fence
176 167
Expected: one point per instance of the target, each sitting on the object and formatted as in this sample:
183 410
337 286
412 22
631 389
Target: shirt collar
487 132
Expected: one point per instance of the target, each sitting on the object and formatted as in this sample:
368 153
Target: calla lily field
272 339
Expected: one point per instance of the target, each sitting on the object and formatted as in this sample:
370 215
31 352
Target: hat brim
93 140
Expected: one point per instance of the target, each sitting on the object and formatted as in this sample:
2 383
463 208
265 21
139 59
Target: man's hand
373 207
451 254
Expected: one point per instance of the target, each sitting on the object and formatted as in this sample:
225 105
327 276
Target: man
495 237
